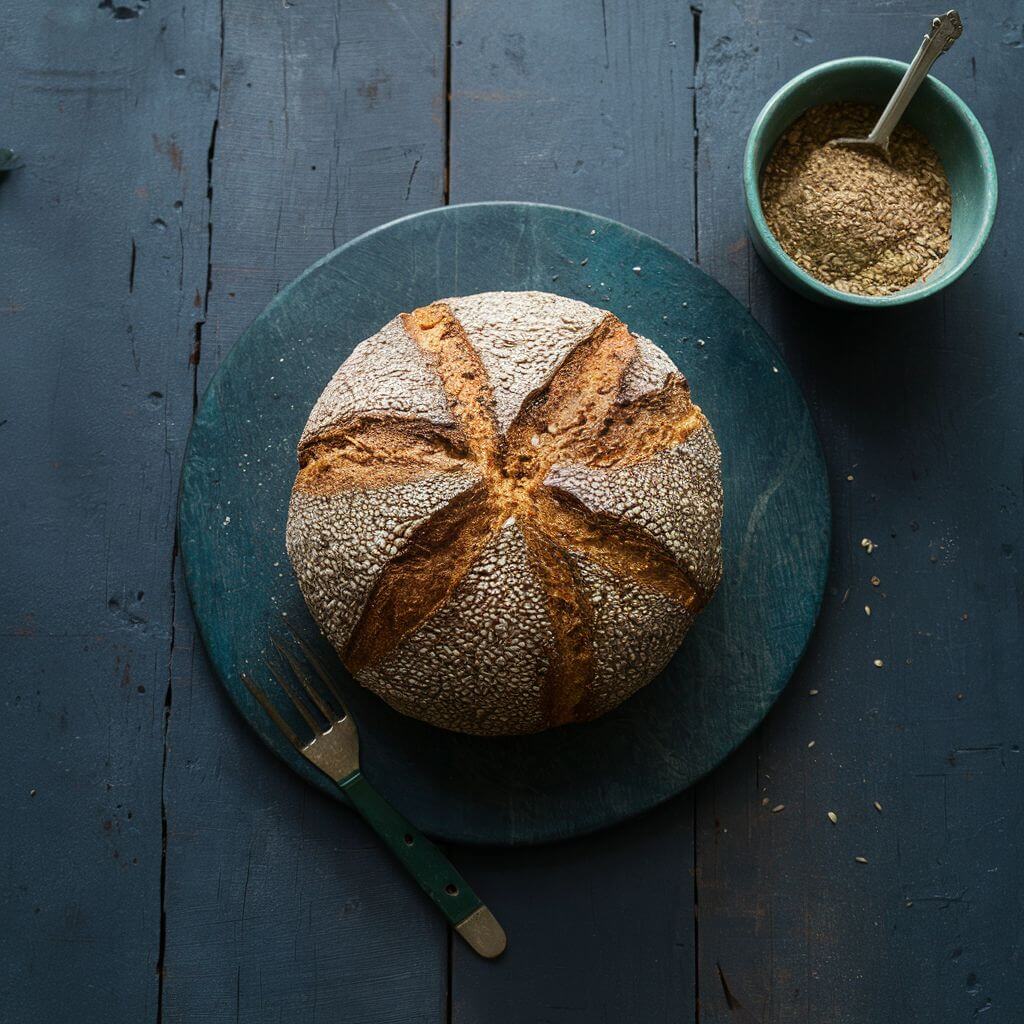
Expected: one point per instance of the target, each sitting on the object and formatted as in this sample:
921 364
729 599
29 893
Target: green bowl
936 111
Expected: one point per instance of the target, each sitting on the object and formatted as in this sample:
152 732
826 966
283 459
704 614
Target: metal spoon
946 29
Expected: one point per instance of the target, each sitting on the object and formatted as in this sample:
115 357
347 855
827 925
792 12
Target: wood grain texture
96 329
585 105
589 106
917 414
279 904
919 406
160 866
600 928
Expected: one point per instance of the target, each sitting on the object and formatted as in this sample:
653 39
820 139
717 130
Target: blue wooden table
185 161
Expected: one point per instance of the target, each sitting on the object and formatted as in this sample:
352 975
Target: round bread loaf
507 512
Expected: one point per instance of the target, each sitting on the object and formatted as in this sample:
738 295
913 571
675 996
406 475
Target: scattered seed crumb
764 801
775 369
845 596
636 270
584 261
908 903
700 342
878 807
875 581
867 609
833 817
868 545
593 231
777 808
810 744
878 663
813 693
959 696
861 860
849 476
32 792
964 617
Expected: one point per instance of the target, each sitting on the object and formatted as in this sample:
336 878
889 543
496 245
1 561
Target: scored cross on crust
599 412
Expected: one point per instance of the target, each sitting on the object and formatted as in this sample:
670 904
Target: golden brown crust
373 451
441 338
610 541
571 669
421 578
637 430
606 405
570 409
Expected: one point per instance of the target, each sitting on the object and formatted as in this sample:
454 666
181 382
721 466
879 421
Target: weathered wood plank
600 928
331 122
104 242
280 904
584 105
917 415
98 306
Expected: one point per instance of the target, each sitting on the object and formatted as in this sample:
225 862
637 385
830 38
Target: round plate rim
556 834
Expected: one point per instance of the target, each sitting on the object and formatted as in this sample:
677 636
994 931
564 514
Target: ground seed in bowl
849 217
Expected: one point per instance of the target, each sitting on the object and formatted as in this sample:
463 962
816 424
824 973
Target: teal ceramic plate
241 461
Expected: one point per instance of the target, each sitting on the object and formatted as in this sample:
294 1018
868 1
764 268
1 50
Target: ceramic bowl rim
751 175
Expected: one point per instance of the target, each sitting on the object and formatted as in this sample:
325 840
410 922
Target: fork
334 749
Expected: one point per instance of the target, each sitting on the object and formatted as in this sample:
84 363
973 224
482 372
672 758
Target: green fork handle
429 866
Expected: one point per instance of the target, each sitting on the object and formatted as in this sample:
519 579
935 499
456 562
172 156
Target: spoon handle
945 31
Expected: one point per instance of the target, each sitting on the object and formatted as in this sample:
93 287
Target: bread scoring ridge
585 451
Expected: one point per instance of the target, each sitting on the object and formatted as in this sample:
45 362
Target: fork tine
300 674
318 667
271 711
295 699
